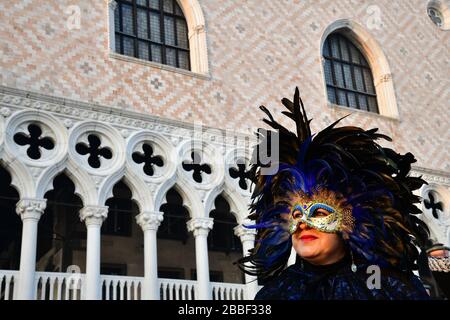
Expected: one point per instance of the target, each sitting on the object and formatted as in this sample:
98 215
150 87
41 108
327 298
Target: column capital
244 233
29 208
112 4
149 220
93 215
200 226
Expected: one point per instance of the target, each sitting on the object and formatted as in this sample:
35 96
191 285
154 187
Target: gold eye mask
323 210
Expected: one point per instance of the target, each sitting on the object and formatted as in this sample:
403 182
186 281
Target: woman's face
317 247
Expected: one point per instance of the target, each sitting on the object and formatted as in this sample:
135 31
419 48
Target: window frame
120 35
339 38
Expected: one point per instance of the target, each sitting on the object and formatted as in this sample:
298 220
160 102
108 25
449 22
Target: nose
303 226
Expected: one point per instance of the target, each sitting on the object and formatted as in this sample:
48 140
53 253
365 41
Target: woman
345 204
434 270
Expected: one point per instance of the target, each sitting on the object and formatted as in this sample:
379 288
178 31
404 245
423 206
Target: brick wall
258 51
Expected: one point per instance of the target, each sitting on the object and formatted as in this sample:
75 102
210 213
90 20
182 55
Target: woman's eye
297 214
321 213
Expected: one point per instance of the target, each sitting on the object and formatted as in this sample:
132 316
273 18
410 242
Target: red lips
308 237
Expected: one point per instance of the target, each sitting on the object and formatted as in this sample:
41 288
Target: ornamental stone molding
124 133
149 220
5 112
31 208
96 136
204 154
145 145
112 4
93 215
245 234
49 128
432 176
436 211
237 163
200 226
15 99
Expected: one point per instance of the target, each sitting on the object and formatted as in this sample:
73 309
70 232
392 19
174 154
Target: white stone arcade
69 123
123 133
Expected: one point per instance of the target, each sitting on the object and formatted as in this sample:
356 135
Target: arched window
222 237
121 210
175 213
347 74
154 30
61 234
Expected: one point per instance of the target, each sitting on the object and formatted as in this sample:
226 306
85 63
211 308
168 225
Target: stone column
247 237
112 6
93 216
149 222
200 227
30 211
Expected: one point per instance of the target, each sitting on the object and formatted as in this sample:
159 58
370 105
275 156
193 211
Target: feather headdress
347 160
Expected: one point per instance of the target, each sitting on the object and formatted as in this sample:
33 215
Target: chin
306 251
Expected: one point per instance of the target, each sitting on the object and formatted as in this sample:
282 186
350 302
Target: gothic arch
139 190
84 184
21 178
191 199
376 58
235 200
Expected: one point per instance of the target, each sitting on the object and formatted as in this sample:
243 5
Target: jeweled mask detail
322 210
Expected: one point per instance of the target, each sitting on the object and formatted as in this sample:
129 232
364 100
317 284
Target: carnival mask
323 210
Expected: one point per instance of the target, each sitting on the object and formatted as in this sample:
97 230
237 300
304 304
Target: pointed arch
84 184
140 192
382 76
139 189
191 199
21 178
238 204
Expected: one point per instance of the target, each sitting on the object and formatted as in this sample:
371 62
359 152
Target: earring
353 266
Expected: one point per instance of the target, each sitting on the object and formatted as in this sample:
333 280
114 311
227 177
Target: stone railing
227 291
121 287
69 286
8 281
175 289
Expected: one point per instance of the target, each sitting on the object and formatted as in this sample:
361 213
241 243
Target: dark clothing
304 281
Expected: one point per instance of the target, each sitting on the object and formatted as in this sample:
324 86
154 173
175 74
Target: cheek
330 242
